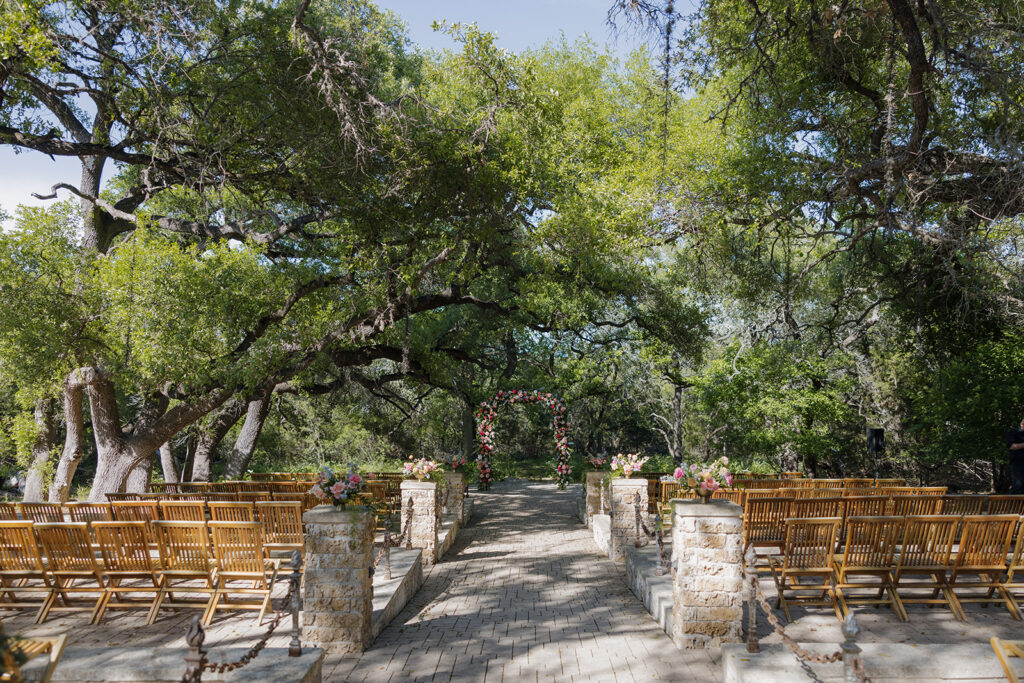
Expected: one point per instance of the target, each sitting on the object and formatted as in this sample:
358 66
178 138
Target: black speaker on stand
876 444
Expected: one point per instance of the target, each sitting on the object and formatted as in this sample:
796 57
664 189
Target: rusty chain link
656 534
195 674
787 640
406 536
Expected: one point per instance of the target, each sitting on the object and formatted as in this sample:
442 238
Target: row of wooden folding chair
57 563
902 554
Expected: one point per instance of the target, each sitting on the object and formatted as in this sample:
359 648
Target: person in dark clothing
1015 444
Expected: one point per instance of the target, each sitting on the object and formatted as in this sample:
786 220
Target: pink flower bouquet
337 488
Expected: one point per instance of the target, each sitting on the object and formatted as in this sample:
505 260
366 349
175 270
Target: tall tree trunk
211 436
74 437
190 456
468 432
118 455
245 444
167 464
43 415
139 477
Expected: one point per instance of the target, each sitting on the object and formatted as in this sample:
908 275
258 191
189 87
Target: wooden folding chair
121 497
89 512
182 510
807 554
72 567
22 572
50 513
752 494
52 647
1005 505
981 559
734 495
9 512
1005 649
855 483
231 512
925 551
124 547
282 527
185 560
916 505
238 550
1014 582
253 496
764 522
868 554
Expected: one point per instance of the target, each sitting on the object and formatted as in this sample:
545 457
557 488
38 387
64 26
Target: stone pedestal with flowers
337 594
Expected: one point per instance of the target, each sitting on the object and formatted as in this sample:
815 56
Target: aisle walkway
525 595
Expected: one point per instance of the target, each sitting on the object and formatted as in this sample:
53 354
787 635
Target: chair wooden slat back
231 512
67 546
135 511
19 549
238 547
9 512
52 513
378 490
985 541
734 495
817 507
124 546
282 525
927 541
855 483
871 542
183 510
763 521
906 506
254 496
1005 505
828 483
89 512
890 482
810 543
117 497
752 494
866 506
184 546
963 505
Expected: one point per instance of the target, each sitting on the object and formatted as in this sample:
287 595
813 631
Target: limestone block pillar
708 591
453 495
624 493
338 592
423 522
593 495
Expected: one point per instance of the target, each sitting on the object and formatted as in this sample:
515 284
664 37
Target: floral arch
488 413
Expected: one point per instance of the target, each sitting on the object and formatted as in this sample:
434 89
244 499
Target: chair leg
44 611
211 606
155 609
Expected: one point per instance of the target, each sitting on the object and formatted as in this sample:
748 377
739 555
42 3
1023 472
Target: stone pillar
623 514
593 494
424 516
454 496
708 591
338 592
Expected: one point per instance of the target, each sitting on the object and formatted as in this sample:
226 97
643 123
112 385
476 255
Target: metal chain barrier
385 552
848 652
657 534
406 536
196 659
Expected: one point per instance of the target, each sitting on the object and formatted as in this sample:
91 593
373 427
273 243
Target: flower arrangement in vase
595 462
627 464
337 488
703 479
422 468
454 462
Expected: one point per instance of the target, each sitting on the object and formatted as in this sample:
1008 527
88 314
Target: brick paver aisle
525 595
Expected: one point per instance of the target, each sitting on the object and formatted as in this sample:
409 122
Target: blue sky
519 25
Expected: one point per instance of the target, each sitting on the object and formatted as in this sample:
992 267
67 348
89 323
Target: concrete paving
525 595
